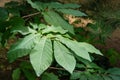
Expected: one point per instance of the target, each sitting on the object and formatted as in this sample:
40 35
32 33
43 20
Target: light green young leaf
41 56
54 30
64 57
75 47
49 76
16 74
90 48
72 12
22 47
55 19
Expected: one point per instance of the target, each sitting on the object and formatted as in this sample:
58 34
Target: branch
63 69
33 14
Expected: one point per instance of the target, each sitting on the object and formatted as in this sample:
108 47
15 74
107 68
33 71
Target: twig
63 69
33 14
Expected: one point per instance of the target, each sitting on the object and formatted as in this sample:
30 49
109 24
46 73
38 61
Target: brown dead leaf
78 21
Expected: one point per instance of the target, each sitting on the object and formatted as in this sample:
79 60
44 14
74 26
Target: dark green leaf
17 21
16 74
30 75
114 71
64 57
55 19
3 14
75 75
49 76
72 12
55 5
41 55
107 78
114 77
71 5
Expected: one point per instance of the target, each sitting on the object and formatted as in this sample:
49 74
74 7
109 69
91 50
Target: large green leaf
72 12
55 19
90 48
22 47
49 76
41 56
54 30
75 47
64 57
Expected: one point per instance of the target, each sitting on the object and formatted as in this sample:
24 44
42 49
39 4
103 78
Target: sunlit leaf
75 47
41 56
64 57
49 76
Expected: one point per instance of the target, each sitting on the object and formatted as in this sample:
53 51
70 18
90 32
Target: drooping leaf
55 19
3 14
49 76
16 74
54 30
64 57
83 77
75 47
22 47
41 56
72 12
90 48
